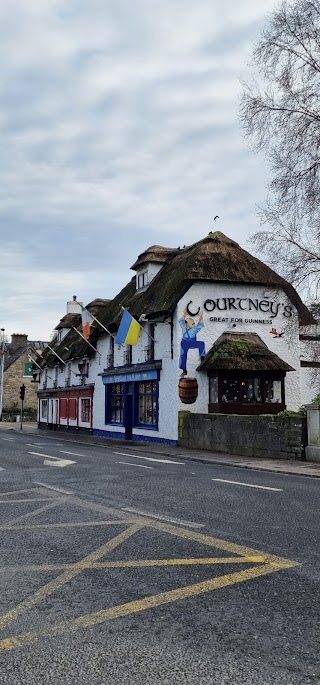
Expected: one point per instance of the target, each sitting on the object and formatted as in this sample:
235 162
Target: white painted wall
286 347
310 352
168 392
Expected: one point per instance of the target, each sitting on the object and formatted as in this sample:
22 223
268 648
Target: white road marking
50 487
34 444
161 517
58 462
74 454
161 461
1 468
247 485
138 466
47 456
8 439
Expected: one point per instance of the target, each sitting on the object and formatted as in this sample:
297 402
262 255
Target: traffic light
22 392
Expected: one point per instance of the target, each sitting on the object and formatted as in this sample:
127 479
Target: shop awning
242 352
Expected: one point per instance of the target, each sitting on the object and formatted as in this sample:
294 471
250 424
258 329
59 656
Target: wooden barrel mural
188 390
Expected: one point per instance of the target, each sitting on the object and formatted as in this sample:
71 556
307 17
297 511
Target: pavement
284 466
121 566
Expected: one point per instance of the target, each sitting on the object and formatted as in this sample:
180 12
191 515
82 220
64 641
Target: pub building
219 333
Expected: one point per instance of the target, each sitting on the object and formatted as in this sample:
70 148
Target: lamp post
1 371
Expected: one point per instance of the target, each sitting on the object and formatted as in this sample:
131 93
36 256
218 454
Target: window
110 356
127 355
142 279
251 390
115 403
44 409
230 390
149 350
234 392
213 390
147 403
272 390
85 410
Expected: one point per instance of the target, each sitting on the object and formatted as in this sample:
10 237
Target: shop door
53 413
128 410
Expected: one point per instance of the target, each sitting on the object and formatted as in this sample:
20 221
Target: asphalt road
137 568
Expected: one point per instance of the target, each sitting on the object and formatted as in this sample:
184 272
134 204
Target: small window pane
230 391
143 279
115 403
44 409
214 396
273 391
85 410
147 403
251 390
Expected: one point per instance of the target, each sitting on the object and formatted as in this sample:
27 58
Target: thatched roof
67 321
215 259
242 352
155 253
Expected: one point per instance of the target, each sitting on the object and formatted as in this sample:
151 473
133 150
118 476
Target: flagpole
99 322
87 341
39 367
63 362
142 329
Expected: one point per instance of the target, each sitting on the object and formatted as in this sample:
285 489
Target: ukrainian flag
128 331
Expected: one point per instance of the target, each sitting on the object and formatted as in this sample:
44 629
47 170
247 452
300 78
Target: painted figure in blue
189 339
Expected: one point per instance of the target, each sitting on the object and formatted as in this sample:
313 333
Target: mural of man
189 339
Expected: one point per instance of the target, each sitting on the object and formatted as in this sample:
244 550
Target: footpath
295 468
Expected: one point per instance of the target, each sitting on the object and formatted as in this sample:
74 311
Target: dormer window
142 280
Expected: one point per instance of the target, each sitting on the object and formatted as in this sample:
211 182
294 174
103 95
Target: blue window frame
114 403
146 397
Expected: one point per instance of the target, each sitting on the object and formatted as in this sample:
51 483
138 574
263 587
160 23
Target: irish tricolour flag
86 322
128 331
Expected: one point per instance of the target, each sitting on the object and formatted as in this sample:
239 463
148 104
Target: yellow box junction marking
267 563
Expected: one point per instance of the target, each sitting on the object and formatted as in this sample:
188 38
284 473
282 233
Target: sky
119 128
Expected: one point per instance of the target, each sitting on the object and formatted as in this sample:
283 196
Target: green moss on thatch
242 351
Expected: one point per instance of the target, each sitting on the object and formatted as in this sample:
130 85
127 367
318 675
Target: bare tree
280 113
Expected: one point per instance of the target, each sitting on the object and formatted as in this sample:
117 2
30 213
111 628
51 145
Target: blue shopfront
132 401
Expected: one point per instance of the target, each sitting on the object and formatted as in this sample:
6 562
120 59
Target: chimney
18 340
73 307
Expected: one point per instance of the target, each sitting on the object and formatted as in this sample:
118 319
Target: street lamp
1 371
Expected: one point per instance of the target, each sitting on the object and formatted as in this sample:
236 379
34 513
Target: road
124 566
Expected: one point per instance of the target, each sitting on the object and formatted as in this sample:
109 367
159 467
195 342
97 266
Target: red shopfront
66 409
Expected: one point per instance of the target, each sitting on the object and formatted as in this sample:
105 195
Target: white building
220 333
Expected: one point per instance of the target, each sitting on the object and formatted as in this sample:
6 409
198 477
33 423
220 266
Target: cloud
118 129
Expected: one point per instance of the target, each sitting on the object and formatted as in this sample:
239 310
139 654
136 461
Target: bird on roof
216 217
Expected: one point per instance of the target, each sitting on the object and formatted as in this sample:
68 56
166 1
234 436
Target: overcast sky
119 130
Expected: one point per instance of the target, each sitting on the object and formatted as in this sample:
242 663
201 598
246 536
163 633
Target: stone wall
13 379
266 436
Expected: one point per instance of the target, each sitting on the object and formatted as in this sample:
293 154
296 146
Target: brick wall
271 437
12 379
